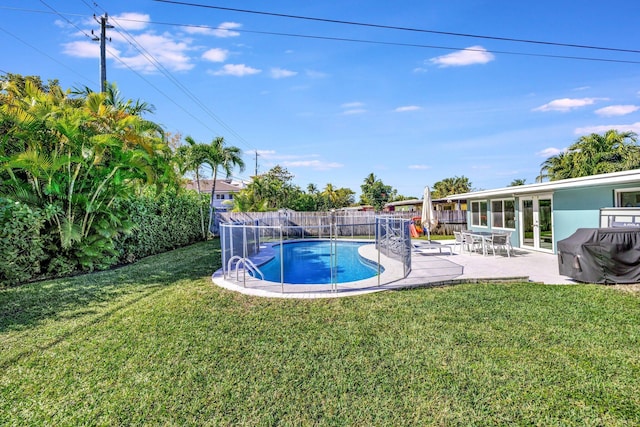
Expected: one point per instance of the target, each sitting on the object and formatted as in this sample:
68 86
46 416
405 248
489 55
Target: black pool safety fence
251 245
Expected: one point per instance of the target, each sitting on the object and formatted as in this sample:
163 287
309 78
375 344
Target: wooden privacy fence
349 223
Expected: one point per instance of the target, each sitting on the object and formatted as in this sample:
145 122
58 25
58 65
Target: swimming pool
309 262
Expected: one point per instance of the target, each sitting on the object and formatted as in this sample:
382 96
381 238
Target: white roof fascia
585 181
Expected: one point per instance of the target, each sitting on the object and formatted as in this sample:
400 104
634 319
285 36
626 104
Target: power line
67 20
416 45
149 58
158 65
44 54
391 27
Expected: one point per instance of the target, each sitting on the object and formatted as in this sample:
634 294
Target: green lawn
156 343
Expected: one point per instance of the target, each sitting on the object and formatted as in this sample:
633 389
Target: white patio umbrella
428 217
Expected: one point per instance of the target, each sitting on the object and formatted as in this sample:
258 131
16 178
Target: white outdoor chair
459 242
500 241
472 243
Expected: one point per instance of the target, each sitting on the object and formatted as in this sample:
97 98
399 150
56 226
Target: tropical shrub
21 244
73 158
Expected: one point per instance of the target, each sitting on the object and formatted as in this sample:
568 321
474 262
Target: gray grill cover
601 255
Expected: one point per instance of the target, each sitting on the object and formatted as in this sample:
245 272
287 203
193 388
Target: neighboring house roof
222 186
623 177
415 202
404 203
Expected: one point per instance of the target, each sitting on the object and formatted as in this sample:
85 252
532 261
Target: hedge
21 243
161 223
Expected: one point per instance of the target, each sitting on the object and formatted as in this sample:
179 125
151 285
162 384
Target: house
412 205
225 191
415 205
541 214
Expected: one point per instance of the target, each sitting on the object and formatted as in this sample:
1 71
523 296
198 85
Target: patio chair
459 242
500 241
472 243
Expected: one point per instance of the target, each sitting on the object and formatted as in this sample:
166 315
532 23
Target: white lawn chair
472 243
500 241
459 242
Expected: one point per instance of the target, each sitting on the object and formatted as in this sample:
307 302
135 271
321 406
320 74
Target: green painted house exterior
539 215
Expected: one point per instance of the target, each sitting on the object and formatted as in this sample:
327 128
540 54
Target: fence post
244 255
281 262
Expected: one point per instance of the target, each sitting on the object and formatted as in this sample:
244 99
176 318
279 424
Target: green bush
21 243
155 224
160 223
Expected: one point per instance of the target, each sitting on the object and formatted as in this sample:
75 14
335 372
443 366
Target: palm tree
517 182
312 188
594 154
190 158
448 186
227 157
114 98
75 158
330 196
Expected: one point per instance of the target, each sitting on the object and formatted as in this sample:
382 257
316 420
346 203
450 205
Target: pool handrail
247 264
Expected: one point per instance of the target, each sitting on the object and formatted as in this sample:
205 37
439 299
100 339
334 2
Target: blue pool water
309 262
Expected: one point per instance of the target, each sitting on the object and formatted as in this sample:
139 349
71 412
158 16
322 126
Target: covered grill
601 255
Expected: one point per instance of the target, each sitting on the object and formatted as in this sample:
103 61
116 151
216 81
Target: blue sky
412 107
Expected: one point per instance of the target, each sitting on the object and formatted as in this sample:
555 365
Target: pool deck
427 270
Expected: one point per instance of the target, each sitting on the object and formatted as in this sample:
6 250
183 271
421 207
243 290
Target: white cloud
407 108
551 151
313 164
200 30
266 153
354 111
216 55
566 104
298 160
632 127
166 50
469 56
352 105
224 30
169 50
617 110
82 49
238 70
63 24
280 73
315 74
130 21
419 167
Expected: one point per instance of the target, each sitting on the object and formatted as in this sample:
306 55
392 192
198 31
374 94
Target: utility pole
103 55
256 174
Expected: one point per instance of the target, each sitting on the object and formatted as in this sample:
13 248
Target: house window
479 213
628 198
503 214
220 196
230 196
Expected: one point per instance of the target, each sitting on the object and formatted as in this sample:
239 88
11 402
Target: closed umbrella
428 217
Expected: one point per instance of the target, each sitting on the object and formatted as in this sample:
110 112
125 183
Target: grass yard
156 343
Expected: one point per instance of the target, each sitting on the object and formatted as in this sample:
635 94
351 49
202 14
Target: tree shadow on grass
27 305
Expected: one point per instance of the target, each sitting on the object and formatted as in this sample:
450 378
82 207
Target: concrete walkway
427 269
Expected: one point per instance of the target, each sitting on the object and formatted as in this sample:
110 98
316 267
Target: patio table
484 237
